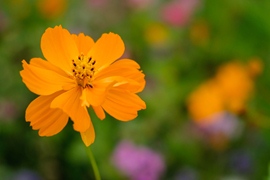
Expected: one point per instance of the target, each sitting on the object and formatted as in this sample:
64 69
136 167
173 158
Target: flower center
83 70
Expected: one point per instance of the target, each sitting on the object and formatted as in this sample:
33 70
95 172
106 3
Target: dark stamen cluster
83 70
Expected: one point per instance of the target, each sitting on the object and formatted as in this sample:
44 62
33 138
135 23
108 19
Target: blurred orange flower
236 84
205 101
80 73
50 9
255 66
229 90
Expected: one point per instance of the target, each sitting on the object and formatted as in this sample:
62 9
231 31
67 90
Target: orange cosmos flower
80 73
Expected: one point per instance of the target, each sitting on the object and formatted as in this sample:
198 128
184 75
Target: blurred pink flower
220 130
179 12
138 163
224 123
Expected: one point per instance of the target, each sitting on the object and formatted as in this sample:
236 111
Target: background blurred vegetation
180 44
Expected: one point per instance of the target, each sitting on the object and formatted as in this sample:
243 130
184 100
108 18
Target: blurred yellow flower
156 34
50 9
199 33
80 73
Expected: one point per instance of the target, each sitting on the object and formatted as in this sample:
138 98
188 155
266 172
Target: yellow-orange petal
45 119
99 112
59 48
108 48
84 43
88 136
128 69
95 96
123 105
134 86
70 103
43 81
38 62
41 63
118 68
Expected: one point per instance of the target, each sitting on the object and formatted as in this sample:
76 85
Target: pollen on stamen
94 62
89 59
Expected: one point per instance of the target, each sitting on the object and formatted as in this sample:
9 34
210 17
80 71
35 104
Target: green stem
93 163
